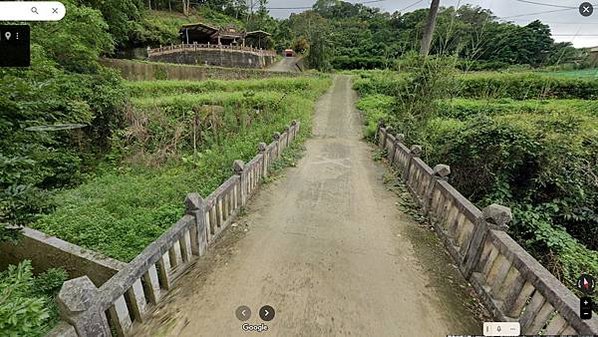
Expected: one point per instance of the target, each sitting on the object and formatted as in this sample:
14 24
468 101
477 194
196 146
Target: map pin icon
7 35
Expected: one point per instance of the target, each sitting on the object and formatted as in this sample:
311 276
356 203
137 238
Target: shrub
537 156
386 82
353 62
27 302
122 210
375 109
525 86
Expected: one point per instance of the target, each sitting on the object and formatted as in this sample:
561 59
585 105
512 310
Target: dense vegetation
128 206
106 164
530 146
474 34
65 85
27 306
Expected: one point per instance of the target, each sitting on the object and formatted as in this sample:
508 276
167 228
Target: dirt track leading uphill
328 248
287 64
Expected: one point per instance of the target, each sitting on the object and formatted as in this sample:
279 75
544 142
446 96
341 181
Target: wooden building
200 33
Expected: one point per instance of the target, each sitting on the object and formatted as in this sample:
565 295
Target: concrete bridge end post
195 206
494 217
78 305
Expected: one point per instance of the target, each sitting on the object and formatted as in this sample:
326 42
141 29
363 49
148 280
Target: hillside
162 27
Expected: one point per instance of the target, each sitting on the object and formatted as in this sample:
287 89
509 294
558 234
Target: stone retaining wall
149 71
46 252
130 294
511 283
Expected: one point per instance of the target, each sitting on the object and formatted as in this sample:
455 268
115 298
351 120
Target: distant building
201 33
203 44
289 53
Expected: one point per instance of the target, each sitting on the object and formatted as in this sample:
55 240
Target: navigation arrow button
267 313
243 313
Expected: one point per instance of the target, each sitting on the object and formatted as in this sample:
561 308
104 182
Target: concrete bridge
329 249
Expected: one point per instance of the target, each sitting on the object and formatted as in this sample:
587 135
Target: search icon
31 11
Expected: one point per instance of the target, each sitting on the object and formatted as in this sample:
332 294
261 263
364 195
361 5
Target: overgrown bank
27 305
128 206
534 149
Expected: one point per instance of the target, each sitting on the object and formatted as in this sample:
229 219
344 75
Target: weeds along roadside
129 205
528 140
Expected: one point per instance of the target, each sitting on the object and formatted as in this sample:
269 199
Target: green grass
537 156
28 302
123 210
153 89
462 108
584 73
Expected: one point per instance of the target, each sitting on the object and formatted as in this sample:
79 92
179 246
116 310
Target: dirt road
328 248
287 64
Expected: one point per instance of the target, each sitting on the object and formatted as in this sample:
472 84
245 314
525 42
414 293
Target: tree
429 29
186 6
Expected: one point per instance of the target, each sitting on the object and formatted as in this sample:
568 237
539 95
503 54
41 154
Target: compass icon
586 284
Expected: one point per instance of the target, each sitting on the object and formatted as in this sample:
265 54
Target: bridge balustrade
511 283
127 298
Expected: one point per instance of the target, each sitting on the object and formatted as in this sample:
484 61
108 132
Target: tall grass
159 88
123 210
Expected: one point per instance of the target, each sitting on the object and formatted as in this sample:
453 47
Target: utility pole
429 29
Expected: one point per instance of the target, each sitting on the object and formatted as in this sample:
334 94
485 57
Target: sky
566 24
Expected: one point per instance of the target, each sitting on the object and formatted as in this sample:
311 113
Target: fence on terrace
194 47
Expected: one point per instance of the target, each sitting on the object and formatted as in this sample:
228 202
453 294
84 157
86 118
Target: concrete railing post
239 166
494 217
287 130
294 128
415 152
441 172
382 140
196 207
266 158
77 302
388 132
276 137
395 145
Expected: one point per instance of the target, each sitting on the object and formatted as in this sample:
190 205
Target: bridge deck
328 248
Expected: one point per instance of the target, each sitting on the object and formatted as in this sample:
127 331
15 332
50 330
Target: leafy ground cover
537 155
27 306
122 210
583 73
514 85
